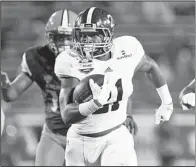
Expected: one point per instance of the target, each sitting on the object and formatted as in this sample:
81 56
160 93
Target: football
82 92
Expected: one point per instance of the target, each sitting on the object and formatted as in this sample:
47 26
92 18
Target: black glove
131 125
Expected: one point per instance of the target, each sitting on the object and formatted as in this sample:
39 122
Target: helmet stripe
89 15
65 19
62 12
68 18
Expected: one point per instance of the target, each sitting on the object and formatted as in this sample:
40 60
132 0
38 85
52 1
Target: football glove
163 113
105 94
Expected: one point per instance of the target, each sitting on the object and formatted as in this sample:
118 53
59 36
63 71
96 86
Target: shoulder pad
65 61
129 45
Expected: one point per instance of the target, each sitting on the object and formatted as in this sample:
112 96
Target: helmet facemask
92 42
59 41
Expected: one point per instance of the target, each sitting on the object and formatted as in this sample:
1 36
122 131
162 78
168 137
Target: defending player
187 96
38 66
97 136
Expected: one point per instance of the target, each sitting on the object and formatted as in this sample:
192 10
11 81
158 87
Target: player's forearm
185 91
12 90
192 85
190 88
9 93
70 114
155 75
73 113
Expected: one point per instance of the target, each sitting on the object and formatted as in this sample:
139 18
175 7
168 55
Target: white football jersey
126 55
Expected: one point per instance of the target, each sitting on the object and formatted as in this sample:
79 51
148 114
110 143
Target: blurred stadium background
167 33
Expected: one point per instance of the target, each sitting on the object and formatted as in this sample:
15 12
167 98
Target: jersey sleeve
63 65
131 49
136 49
24 66
139 49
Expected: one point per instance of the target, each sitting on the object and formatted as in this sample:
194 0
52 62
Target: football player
38 66
97 136
187 96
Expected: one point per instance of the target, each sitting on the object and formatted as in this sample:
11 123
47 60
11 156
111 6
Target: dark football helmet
59 30
93 33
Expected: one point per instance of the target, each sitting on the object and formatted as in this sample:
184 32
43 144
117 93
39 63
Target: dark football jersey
38 64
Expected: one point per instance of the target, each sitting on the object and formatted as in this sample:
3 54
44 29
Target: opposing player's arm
154 74
12 90
187 96
190 88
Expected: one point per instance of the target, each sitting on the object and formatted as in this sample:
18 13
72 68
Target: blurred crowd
167 33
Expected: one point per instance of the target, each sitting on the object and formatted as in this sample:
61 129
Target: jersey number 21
115 105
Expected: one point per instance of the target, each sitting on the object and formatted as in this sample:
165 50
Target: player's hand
163 113
131 125
188 101
4 80
102 94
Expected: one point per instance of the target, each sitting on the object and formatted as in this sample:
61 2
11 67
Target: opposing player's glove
163 113
131 125
188 101
104 94
4 80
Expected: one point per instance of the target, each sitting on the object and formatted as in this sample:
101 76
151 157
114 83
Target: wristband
164 94
88 108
